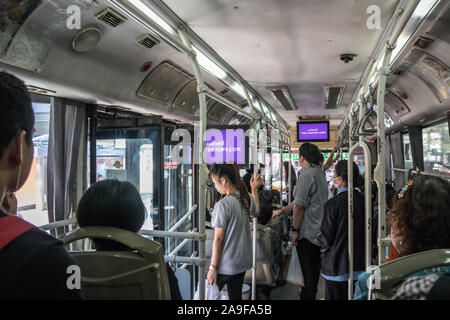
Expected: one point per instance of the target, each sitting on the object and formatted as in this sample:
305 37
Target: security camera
347 57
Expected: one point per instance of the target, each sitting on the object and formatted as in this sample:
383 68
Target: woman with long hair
232 245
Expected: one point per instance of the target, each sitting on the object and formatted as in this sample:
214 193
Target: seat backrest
387 278
137 274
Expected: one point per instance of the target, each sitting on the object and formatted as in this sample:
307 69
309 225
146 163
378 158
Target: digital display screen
225 145
313 131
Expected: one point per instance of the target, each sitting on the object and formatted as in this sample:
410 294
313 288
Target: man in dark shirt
33 265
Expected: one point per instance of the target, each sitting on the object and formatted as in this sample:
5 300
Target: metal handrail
202 181
186 260
255 172
442 175
58 224
180 235
179 247
184 218
228 103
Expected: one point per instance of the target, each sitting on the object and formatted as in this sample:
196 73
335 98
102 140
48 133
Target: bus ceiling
289 58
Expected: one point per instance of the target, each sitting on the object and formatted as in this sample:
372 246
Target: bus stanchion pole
380 170
351 150
201 89
254 136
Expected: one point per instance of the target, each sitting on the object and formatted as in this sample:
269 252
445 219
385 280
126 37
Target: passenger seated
420 221
116 204
33 264
429 287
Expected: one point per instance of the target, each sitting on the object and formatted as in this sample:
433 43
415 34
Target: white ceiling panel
289 42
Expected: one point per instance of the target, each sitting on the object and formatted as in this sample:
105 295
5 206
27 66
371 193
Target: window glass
129 160
178 200
436 148
32 197
276 169
407 153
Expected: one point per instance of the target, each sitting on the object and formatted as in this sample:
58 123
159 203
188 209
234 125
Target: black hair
321 157
111 203
310 152
288 166
342 171
15 110
231 171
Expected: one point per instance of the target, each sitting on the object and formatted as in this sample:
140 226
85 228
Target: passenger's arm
219 235
330 160
299 213
286 209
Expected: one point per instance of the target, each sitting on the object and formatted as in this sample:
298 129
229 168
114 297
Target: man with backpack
33 264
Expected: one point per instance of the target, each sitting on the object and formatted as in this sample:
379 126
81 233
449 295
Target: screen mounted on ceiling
313 131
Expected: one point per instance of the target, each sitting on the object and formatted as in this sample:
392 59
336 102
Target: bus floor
290 292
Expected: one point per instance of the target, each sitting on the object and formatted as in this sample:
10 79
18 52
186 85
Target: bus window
276 170
129 160
32 197
407 154
436 148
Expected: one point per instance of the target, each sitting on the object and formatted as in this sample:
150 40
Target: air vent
333 96
283 96
423 42
147 41
111 18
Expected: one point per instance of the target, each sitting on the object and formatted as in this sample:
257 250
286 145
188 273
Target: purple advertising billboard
313 131
225 146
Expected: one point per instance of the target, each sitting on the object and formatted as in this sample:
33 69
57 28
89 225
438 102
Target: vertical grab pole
367 190
255 172
351 150
289 173
380 170
201 89
280 147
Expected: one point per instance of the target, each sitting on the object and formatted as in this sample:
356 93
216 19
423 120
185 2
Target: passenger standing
334 231
232 245
33 264
311 193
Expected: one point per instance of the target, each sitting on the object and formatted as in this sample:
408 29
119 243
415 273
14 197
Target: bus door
134 155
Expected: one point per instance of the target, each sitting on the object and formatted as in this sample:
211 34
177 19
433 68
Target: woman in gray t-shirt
232 249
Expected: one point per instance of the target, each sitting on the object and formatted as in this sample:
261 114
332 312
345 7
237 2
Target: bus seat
393 273
137 274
